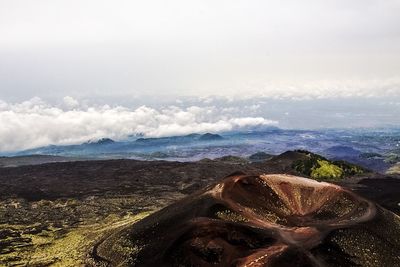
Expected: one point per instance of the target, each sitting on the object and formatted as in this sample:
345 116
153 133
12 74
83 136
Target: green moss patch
326 170
322 169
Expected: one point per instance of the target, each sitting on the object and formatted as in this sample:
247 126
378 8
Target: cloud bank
273 48
324 89
36 123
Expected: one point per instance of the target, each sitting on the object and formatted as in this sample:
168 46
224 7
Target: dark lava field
228 211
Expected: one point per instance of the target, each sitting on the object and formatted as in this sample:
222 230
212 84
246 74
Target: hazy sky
77 70
54 48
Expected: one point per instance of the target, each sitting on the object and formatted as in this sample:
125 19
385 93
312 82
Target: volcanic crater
267 220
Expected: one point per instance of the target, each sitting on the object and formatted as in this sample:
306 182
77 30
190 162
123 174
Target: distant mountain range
377 150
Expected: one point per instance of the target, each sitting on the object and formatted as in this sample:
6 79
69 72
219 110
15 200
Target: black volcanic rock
232 159
267 220
105 197
32 160
259 156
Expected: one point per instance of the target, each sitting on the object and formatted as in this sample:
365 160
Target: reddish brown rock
268 220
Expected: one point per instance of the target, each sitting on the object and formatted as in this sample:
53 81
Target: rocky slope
267 220
63 213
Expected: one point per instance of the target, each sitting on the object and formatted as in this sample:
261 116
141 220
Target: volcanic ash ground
267 220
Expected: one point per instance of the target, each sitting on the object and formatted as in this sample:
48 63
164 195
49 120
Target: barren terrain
64 213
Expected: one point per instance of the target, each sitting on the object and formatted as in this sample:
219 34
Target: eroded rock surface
267 220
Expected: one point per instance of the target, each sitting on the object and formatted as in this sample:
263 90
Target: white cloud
324 89
35 123
70 102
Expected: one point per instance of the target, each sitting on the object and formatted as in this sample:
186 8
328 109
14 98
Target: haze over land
70 72
35 123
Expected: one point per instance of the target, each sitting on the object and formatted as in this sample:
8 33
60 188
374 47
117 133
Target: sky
273 56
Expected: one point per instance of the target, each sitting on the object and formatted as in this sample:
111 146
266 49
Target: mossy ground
52 214
38 245
326 170
322 169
